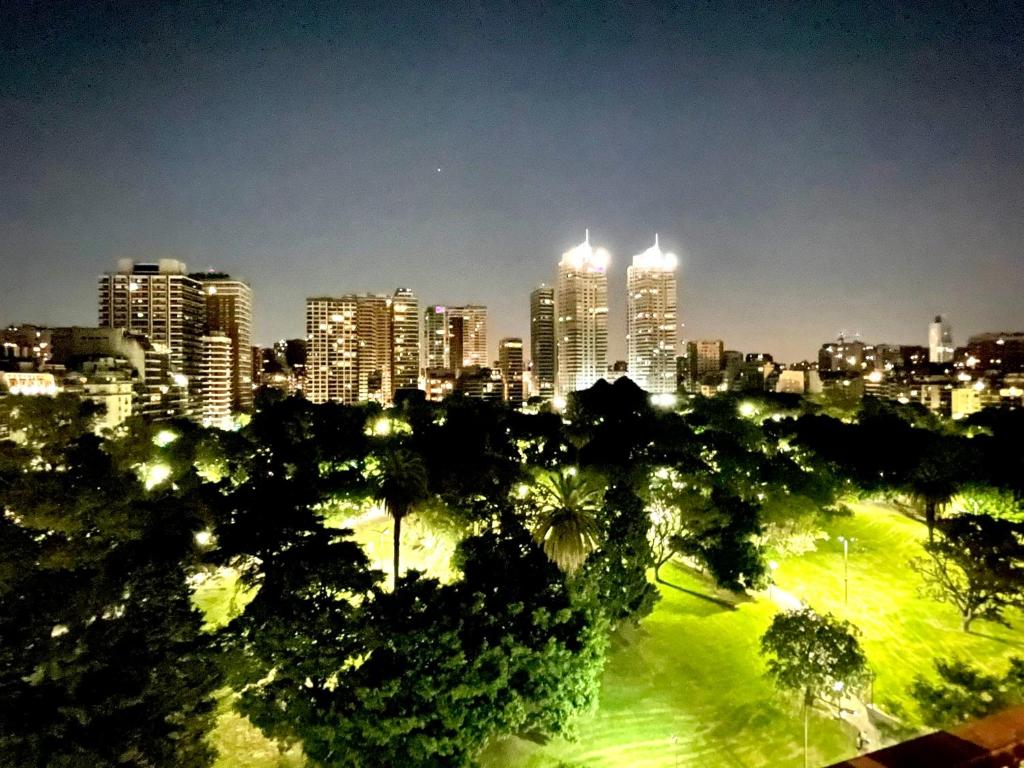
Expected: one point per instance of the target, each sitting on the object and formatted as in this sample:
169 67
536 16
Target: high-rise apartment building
229 313
940 341
510 363
454 337
405 340
581 317
163 303
218 376
373 329
332 346
651 319
437 338
542 341
474 333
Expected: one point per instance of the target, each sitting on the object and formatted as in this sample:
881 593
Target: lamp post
846 569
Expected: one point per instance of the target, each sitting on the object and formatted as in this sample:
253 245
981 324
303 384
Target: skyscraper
332 347
542 340
373 330
437 338
651 319
218 380
474 333
940 341
581 312
510 363
163 303
229 313
405 340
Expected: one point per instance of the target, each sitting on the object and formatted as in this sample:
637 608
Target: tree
566 527
102 656
976 565
675 506
402 485
934 481
964 692
815 657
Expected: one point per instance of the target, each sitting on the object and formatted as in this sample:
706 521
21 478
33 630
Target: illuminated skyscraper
473 338
350 347
581 312
510 363
437 338
940 341
651 319
373 329
542 341
163 303
229 313
218 378
405 340
332 348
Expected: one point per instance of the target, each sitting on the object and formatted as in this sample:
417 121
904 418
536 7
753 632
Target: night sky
832 167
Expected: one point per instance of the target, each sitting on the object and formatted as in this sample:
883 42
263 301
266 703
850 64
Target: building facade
940 341
405 340
229 313
581 317
651 319
510 363
542 341
163 303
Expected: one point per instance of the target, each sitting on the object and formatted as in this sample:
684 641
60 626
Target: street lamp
846 568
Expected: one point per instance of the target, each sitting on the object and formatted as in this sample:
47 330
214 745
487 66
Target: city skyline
810 179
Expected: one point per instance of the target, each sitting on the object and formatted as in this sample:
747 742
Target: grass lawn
903 632
687 688
691 671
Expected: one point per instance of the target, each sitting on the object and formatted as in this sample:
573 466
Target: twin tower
569 323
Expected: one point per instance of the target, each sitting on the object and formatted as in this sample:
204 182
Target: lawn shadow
1003 640
722 604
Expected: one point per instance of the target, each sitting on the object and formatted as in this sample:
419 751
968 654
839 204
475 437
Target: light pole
675 749
846 569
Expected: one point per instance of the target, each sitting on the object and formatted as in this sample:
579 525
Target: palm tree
402 485
566 527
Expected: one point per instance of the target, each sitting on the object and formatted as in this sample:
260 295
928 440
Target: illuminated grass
691 671
903 632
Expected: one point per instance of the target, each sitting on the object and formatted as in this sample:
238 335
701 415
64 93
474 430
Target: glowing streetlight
747 409
164 437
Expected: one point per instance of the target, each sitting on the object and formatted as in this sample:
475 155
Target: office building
651 319
581 317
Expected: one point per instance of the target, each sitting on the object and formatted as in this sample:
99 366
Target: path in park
852 709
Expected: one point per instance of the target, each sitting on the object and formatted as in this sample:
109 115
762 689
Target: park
619 584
